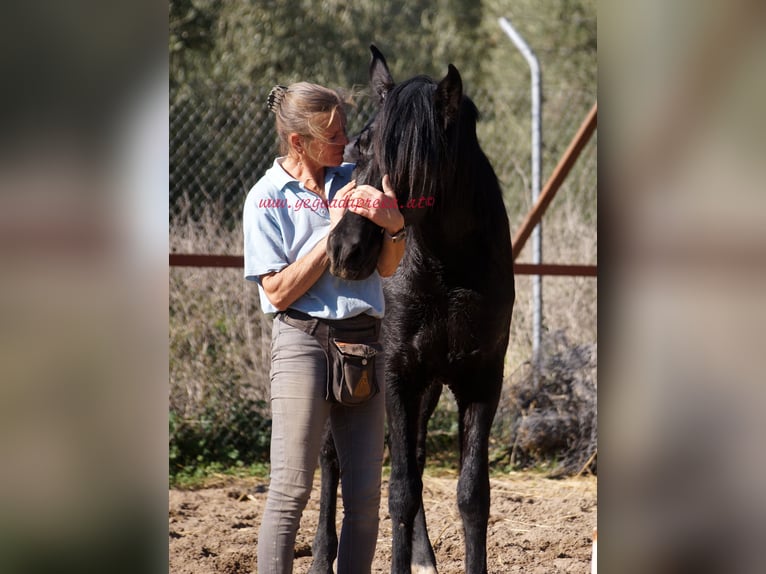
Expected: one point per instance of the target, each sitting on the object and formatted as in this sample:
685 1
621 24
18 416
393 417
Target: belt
360 328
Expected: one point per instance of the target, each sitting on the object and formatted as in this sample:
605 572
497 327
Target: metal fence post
537 241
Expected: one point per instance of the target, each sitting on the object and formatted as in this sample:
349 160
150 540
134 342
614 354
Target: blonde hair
306 109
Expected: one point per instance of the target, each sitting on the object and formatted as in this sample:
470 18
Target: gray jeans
299 412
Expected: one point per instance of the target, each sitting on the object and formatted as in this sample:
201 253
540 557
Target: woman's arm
286 286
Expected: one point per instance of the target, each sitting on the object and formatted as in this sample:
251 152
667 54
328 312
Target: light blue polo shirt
283 221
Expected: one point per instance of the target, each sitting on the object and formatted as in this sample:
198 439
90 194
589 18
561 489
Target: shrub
219 355
226 428
553 409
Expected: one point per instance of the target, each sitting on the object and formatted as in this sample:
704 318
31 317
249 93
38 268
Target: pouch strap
361 327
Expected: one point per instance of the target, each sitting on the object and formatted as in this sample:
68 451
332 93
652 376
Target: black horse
449 304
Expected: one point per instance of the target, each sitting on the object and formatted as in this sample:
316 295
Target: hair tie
276 96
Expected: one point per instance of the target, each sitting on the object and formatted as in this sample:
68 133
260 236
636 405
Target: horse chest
448 331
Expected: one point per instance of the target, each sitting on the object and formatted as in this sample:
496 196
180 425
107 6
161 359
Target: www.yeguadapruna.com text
316 203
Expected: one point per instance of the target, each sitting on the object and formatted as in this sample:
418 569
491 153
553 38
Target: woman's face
327 151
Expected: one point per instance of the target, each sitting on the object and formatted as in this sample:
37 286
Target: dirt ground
537 526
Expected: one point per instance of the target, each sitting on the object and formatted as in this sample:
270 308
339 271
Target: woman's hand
382 208
337 204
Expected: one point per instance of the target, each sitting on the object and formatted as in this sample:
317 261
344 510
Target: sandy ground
537 526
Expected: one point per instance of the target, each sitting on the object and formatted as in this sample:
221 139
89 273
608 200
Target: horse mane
421 155
411 144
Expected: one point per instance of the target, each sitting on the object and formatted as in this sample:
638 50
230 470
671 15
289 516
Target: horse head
355 242
410 139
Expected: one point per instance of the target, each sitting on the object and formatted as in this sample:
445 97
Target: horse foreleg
423 558
405 486
428 405
473 485
324 549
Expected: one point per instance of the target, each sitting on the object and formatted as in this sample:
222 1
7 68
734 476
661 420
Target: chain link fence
222 143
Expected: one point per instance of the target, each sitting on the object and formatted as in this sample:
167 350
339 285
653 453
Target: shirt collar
281 178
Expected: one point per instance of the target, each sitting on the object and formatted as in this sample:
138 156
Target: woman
287 217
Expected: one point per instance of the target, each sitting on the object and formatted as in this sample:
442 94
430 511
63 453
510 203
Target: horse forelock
411 141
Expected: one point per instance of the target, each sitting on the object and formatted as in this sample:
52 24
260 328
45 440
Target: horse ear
449 93
380 78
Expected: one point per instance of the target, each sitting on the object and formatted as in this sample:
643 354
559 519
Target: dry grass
219 352
220 340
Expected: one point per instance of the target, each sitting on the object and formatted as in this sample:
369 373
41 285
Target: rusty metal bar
558 176
555 269
197 260
238 261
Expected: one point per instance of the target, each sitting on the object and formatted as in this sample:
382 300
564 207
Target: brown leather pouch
353 379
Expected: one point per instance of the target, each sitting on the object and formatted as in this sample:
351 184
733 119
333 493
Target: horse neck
468 208
466 194
451 224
